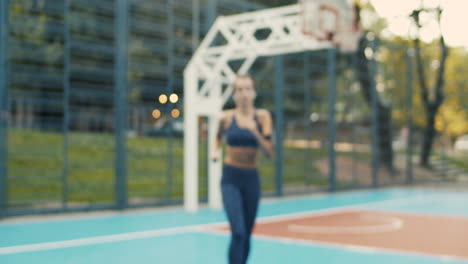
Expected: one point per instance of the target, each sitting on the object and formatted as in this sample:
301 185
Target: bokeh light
163 98
174 98
156 113
175 113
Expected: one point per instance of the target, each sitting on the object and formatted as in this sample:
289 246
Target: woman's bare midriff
241 157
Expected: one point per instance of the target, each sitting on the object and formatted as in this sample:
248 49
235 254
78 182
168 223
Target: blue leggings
241 193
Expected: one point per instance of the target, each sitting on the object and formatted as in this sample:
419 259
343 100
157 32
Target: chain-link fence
91 108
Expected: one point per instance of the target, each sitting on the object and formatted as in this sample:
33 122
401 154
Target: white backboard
331 20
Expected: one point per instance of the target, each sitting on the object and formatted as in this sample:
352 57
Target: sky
454 19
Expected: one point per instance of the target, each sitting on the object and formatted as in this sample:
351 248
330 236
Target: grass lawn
37 166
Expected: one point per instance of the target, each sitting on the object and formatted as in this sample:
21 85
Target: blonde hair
243 77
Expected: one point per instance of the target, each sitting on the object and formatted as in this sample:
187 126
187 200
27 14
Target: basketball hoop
331 20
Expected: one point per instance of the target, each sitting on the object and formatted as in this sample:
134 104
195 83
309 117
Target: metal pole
170 89
409 112
211 11
279 123
190 140
331 70
4 32
307 130
353 125
120 80
375 114
66 98
195 24
214 169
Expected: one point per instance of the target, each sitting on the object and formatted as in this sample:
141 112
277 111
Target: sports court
109 111
395 225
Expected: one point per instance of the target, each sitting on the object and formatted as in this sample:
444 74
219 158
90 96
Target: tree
452 118
432 98
366 79
384 110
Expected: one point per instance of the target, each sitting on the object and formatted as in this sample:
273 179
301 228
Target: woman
246 130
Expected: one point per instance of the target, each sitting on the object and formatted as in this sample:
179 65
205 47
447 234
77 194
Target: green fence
92 97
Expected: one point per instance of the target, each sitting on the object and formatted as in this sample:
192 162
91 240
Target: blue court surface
175 236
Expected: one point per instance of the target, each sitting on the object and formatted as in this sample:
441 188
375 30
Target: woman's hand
215 152
215 155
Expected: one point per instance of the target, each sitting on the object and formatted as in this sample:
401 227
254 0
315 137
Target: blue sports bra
240 137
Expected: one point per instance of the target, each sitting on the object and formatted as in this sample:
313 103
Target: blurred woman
246 129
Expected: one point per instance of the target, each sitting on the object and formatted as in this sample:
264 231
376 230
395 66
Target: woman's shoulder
263 113
227 114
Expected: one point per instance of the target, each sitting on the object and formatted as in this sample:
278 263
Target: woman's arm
264 138
215 152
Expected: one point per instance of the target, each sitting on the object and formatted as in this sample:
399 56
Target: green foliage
370 19
36 167
452 118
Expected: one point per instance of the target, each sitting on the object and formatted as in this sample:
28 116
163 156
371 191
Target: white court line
99 239
416 213
347 246
341 209
177 230
76 216
390 224
360 248
419 198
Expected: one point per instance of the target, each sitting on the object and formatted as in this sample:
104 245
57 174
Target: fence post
307 125
355 80
331 72
169 91
120 82
279 123
374 116
66 97
409 112
195 24
4 107
211 10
